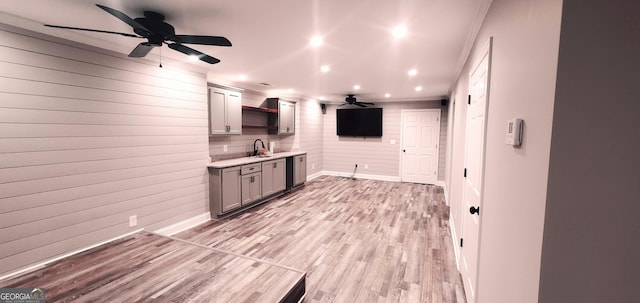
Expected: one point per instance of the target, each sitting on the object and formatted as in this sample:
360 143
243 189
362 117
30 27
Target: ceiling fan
156 31
351 100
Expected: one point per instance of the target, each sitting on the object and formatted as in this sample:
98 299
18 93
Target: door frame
402 124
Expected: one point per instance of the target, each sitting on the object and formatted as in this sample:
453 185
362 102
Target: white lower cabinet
229 179
251 188
299 169
237 187
273 177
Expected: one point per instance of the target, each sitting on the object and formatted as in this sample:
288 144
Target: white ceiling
271 40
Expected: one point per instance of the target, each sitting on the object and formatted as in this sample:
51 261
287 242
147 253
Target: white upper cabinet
225 112
285 120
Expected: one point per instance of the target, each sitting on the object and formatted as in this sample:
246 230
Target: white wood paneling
89 138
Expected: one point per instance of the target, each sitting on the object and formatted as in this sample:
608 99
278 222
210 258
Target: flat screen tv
359 122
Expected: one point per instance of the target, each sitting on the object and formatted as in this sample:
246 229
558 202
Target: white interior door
474 167
420 138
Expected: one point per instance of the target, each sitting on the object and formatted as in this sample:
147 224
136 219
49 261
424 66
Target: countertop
250 160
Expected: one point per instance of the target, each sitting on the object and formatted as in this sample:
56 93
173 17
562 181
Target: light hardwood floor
358 240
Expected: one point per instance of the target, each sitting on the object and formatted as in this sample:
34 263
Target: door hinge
465 172
469 100
460 242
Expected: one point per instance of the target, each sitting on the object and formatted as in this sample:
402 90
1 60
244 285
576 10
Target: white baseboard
313 176
362 176
184 225
454 236
69 254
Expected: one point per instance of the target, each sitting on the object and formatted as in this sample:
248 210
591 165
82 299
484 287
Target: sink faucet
255 148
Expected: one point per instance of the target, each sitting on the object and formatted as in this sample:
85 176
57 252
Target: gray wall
382 157
590 249
89 138
525 51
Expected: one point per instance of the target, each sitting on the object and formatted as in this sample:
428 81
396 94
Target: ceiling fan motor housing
350 99
160 31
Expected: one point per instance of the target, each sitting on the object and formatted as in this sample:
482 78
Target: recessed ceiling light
418 88
321 98
242 77
325 68
290 90
356 87
387 95
315 41
413 72
399 31
193 58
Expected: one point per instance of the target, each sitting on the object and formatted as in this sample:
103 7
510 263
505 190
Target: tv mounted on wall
359 122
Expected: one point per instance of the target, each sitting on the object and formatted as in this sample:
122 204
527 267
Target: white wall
383 158
89 138
590 250
522 85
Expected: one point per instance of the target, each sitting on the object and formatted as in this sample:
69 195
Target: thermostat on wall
514 132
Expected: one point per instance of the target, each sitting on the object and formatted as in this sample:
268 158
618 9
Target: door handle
474 210
404 150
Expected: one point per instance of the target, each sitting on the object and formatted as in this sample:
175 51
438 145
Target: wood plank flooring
146 267
358 240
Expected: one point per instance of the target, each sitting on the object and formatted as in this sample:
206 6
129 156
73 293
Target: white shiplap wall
383 158
89 138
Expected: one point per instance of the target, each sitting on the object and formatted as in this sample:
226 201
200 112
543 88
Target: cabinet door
279 176
267 178
230 188
234 113
217 112
256 187
286 117
299 169
251 188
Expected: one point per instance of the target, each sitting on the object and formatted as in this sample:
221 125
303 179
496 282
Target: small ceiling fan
351 100
153 28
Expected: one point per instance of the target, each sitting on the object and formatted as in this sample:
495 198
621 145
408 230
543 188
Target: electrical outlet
133 221
392 142
366 166
224 147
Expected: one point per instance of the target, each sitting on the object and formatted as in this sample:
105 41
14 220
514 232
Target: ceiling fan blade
192 52
92 30
141 50
205 40
359 104
124 18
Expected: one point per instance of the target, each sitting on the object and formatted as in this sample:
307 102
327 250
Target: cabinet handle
275 165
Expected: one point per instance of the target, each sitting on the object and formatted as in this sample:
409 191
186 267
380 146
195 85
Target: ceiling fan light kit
157 32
